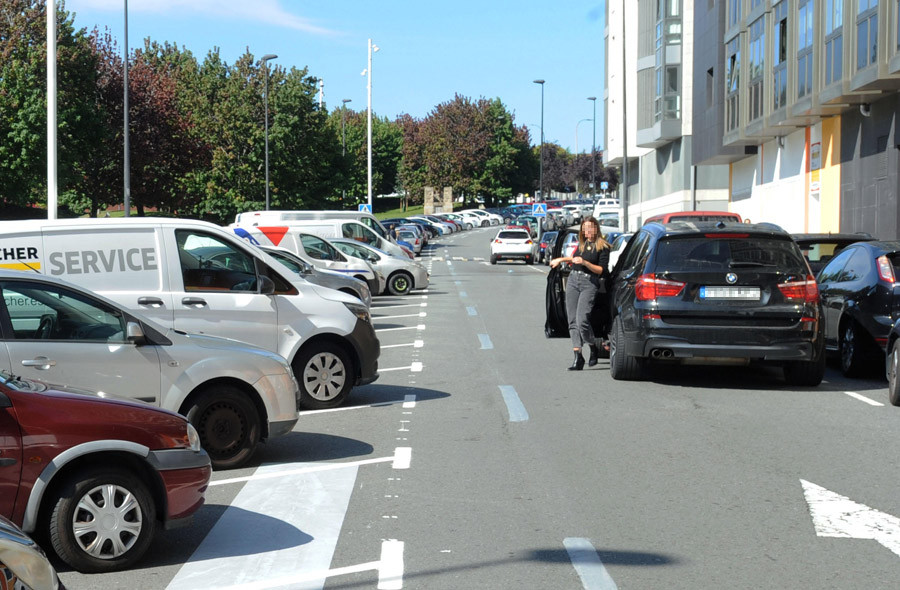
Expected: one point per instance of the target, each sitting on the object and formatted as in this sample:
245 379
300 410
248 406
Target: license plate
732 293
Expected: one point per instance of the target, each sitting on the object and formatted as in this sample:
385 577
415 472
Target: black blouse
594 255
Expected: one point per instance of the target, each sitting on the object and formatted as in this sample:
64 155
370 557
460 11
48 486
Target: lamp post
344 140
52 189
541 181
593 99
577 152
265 60
125 132
372 49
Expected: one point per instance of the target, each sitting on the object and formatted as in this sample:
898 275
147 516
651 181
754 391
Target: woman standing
590 262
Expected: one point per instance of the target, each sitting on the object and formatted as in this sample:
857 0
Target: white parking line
416 367
416 344
312 468
390 572
486 343
863 398
587 564
419 327
423 304
421 314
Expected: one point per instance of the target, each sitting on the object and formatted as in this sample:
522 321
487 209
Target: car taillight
528 242
543 244
806 291
497 241
885 269
649 287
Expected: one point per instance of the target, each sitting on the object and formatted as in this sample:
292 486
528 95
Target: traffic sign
365 208
604 185
539 209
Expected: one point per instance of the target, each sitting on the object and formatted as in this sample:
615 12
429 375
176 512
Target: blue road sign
539 209
604 185
365 208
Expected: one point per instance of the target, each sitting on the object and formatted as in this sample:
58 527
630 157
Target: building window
804 47
834 40
734 12
732 84
667 103
779 52
866 33
757 66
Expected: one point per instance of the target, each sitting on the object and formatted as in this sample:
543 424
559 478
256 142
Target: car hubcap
895 366
847 347
221 428
324 376
401 284
107 521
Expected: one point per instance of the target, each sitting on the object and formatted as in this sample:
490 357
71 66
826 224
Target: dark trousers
580 295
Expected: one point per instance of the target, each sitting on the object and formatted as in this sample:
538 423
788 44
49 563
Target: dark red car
94 477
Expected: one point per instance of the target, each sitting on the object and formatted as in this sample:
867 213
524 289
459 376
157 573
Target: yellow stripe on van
21 266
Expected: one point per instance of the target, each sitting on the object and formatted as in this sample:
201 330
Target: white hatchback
513 244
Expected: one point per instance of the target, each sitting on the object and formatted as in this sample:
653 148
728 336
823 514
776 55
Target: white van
234 394
338 228
313 249
200 278
267 217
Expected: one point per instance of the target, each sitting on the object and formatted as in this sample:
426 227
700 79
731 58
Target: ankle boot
578 362
595 354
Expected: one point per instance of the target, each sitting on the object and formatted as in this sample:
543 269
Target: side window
360 233
209 263
857 267
833 269
636 250
39 311
318 248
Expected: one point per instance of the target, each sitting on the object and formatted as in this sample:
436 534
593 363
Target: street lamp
577 152
344 140
541 181
593 99
265 61
125 132
372 49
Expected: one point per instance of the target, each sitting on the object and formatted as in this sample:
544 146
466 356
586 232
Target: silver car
22 562
321 276
403 275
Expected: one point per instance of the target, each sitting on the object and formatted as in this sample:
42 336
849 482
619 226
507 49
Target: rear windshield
702 253
513 235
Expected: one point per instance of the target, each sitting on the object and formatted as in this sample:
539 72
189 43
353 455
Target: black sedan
862 302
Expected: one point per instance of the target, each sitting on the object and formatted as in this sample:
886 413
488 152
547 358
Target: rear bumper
681 349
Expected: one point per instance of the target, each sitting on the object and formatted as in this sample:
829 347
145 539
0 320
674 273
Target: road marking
411 367
517 411
266 534
471 311
463 294
383 346
457 282
423 304
416 367
402 457
838 516
390 572
419 327
587 564
309 468
863 398
409 401
486 343
421 314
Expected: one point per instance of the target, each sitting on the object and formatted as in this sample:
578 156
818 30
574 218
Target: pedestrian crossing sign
365 208
539 209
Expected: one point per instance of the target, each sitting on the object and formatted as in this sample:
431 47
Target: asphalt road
478 461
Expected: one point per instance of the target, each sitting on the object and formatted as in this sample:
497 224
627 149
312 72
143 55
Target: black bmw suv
715 293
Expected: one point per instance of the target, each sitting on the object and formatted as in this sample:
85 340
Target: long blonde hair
599 243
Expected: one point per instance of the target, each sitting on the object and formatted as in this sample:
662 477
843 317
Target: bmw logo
731 278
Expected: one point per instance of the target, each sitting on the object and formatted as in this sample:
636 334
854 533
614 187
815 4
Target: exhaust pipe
667 353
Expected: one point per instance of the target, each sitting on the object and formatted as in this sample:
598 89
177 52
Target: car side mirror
266 285
134 333
306 269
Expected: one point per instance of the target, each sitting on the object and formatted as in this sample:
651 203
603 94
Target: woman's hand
554 262
577 260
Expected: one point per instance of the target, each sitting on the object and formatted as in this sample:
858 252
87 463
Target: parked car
616 247
411 238
235 394
513 244
892 364
819 249
489 218
23 564
694 216
545 247
715 292
861 300
403 275
530 222
319 276
95 476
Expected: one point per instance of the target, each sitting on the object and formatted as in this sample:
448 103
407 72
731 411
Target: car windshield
710 253
20 383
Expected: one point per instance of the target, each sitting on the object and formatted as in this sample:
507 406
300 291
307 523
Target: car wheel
893 374
622 367
400 284
228 425
852 350
325 375
529 260
102 520
493 259
806 373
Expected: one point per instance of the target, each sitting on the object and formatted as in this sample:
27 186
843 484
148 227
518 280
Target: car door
63 336
10 456
219 290
832 291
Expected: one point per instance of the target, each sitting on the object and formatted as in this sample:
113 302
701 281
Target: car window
316 247
635 251
295 265
39 311
702 253
513 235
360 233
857 267
211 264
833 269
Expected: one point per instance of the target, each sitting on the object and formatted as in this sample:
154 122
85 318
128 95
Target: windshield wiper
747 264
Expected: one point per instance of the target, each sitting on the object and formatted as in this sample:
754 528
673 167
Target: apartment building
658 96
809 104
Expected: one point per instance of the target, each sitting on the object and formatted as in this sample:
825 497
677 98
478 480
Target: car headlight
193 437
359 311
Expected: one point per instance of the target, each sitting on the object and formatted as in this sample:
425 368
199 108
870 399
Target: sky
429 50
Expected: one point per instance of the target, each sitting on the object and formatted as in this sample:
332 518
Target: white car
233 393
403 275
618 246
408 236
564 215
320 276
490 218
513 244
